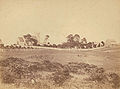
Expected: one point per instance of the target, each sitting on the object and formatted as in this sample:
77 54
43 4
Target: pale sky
94 19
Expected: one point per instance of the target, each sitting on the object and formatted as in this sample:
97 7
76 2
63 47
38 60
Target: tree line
73 41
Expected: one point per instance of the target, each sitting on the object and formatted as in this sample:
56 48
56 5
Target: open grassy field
106 58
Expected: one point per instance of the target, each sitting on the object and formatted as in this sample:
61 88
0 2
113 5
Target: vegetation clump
19 71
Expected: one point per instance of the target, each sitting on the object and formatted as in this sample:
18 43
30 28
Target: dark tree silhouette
30 40
76 38
84 40
45 40
70 38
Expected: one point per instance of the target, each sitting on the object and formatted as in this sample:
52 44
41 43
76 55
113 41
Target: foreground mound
52 75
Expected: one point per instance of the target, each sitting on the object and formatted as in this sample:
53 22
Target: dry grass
60 69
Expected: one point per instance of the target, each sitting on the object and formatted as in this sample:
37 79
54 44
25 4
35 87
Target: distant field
109 58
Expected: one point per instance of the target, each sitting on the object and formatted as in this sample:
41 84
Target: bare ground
61 69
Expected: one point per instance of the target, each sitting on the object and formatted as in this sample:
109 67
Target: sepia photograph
59 44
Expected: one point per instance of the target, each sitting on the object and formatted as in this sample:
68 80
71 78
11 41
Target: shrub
59 77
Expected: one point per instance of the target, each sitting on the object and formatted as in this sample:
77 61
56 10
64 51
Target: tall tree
84 40
46 38
30 40
70 38
76 38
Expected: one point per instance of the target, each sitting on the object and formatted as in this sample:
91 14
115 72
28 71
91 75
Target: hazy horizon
94 19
